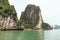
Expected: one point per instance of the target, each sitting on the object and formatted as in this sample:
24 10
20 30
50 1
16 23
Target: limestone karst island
31 18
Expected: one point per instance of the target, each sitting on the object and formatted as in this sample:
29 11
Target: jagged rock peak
31 17
30 9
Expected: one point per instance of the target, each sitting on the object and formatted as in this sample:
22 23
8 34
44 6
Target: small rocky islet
30 18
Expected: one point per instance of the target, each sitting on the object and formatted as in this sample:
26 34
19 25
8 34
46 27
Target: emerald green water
30 35
21 35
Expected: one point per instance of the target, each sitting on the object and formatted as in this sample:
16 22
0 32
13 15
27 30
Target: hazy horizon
50 9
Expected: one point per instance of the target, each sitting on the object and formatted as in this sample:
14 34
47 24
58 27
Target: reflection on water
6 35
30 35
21 35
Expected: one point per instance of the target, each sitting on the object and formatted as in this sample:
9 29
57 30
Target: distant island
56 26
31 18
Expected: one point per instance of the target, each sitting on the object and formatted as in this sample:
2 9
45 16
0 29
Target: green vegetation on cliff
8 16
45 26
30 17
7 10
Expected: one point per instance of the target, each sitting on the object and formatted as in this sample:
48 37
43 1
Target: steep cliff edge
8 15
31 17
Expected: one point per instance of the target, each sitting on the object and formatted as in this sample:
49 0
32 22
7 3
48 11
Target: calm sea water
30 35
52 35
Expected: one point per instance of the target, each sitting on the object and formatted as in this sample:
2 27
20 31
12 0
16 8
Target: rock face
31 17
8 15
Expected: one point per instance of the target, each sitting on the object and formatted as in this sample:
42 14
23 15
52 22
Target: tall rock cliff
8 15
31 17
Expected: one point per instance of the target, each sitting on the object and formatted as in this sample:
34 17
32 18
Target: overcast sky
50 9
